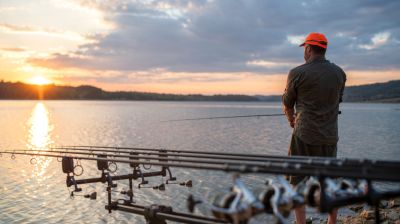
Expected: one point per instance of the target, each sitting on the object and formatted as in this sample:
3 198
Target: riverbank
364 214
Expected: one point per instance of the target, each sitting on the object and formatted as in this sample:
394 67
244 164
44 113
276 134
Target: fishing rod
235 156
165 158
226 117
274 199
266 167
229 117
210 160
160 156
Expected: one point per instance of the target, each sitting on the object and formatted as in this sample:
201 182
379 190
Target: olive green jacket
315 89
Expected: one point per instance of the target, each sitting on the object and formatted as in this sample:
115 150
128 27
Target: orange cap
317 39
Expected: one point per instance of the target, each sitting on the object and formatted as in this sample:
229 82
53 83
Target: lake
37 193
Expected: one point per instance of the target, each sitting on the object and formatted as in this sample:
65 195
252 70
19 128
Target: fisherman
311 104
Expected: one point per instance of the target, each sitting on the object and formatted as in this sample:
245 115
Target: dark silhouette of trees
378 92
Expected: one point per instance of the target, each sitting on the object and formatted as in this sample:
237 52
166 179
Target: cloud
13 49
270 64
227 36
377 40
15 28
33 30
296 40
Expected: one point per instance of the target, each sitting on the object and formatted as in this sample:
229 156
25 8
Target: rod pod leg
377 215
131 189
373 200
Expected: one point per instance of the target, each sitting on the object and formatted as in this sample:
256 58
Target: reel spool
265 197
276 202
283 205
223 201
310 191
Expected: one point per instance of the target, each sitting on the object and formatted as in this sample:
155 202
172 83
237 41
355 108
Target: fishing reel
237 206
335 189
344 188
310 190
279 199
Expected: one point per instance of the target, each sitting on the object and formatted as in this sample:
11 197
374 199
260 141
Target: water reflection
39 138
39 128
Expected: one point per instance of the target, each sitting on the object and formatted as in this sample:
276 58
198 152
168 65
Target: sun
39 80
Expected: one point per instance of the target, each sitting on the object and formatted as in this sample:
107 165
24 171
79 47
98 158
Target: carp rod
320 161
226 117
240 167
332 194
164 157
234 156
229 117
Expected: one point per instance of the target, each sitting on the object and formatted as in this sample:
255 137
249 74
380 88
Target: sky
193 46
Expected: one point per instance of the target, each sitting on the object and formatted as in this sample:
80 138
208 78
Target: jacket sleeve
342 88
290 94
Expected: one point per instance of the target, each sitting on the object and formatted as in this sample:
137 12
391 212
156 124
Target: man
315 90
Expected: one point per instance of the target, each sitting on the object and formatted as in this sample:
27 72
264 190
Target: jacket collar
316 58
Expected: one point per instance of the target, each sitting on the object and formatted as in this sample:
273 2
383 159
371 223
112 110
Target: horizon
192 47
40 88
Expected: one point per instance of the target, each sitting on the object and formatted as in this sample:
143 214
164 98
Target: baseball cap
317 39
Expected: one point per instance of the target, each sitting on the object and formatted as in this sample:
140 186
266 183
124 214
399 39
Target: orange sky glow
48 42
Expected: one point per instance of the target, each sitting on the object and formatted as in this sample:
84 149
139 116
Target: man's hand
292 123
290 116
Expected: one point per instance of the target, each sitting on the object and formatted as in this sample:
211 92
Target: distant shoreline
395 101
388 92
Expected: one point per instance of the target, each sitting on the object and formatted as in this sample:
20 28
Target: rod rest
72 182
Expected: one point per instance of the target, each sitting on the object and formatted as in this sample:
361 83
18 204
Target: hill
18 90
378 92
387 92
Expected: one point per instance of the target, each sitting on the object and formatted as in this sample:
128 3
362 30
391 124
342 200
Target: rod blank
266 168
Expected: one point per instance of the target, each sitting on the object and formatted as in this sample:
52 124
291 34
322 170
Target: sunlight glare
40 128
39 138
39 80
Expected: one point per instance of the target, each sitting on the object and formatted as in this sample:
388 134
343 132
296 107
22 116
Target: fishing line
226 117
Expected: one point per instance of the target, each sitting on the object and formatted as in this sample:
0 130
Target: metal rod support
171 216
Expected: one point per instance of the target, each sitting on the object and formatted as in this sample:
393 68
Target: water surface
37 193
